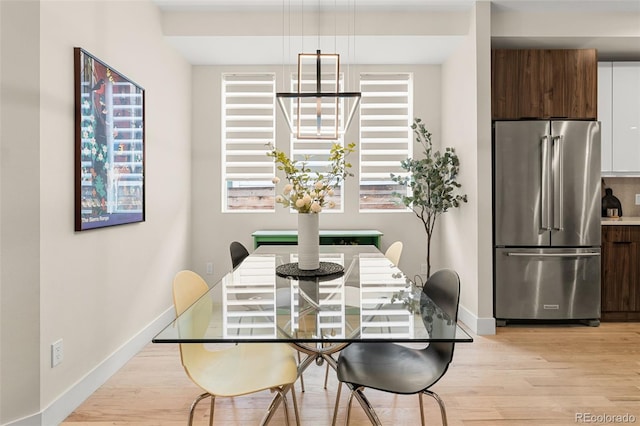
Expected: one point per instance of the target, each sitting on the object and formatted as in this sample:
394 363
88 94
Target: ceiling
394 5
385 49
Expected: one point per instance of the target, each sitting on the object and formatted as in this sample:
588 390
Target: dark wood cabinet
620 273
544 84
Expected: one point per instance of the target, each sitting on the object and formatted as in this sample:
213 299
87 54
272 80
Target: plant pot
308 241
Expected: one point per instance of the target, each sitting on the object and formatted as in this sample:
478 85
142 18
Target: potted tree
432 182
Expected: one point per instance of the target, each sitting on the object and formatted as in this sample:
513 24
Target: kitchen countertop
624 220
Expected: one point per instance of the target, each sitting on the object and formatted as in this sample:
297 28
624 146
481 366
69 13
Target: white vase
308 241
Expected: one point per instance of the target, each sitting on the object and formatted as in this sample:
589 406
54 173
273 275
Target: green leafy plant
432 182
308 191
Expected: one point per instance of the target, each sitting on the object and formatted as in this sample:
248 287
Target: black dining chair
398 369
238 253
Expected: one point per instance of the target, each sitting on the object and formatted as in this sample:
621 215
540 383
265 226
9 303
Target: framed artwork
109 145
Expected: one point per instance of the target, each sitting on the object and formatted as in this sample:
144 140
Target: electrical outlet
209 268
57 353
423 268
637 199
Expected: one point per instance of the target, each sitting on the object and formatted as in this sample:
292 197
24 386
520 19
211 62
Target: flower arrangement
307 191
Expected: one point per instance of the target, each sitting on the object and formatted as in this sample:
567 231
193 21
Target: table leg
313 354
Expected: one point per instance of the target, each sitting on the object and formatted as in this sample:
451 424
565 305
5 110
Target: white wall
466 121
96 289
213 230
20 209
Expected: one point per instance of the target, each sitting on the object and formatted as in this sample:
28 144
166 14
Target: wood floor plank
522 376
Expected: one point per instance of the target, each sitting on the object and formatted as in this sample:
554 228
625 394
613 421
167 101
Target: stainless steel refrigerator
547 200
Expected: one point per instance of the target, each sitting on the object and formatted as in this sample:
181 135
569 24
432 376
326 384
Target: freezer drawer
547 284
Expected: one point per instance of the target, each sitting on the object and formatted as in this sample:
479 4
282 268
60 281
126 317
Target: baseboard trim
67 402
479 326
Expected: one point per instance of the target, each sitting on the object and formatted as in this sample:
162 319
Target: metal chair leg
274 404
195 403
443 412
421 409
358 393
349 407
213 402
326 376
295 404
335 407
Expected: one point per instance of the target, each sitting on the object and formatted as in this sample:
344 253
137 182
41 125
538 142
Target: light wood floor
522 376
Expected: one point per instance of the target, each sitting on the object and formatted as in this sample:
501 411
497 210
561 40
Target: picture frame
109 145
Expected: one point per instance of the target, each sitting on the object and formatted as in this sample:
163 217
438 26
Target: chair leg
213 403
358 393
335 407
272 406
421 408
295 404
443 412
326 376
195 402
349 406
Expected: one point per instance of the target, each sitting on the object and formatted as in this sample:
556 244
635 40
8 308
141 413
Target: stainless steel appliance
546 220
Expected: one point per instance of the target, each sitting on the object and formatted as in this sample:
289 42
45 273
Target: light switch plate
637 199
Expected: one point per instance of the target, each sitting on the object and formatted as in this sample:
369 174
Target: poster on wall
109 145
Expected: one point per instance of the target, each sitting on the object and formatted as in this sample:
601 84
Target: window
386 112
317 150
248 124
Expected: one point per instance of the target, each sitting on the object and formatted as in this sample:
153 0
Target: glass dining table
365 298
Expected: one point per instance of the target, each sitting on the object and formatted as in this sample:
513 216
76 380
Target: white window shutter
386 115
248 125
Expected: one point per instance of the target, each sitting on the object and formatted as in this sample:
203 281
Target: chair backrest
188 287
394 252
238 253
443 287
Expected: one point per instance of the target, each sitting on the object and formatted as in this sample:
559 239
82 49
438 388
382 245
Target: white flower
287 189
306 199
319 184
315 207
279 199
331 204
300 203
275 180
331 192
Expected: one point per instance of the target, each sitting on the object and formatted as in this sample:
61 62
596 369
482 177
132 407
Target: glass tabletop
372 300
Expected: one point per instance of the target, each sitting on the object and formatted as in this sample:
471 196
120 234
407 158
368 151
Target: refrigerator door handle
546 185
520 254
558 182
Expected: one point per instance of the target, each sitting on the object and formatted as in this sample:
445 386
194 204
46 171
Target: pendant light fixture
318 109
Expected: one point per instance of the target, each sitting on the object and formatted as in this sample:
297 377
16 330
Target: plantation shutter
386 112
248 125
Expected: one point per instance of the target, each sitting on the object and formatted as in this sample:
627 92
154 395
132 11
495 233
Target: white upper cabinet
604 114
619 112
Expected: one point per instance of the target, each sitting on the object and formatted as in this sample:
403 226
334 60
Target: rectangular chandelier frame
319 95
